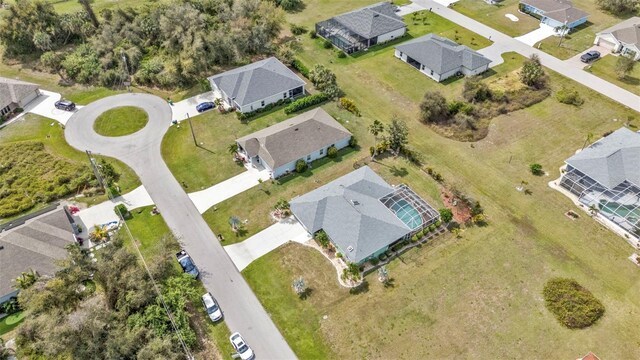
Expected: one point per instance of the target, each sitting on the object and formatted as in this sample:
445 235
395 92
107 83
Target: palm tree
375 129
232 149
26 279
299 286
234 221
587 139
99 233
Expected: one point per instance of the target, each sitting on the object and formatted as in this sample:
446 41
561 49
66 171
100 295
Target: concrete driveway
244 253
409 9
180 109
44 105
537 35
575 61
219 275
103 213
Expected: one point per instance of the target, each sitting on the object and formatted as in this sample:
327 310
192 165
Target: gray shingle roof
256 81
442 55
612 159
13 91
559 10
372 21
348 209
36 245
294 138
627 32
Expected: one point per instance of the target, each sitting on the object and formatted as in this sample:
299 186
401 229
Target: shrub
313 34
322 238
374 261
532 74
353 142
296 64
297 29
349 105
474 90
536 169
342 54
573 305
122 209
446 215
301 166
325 81
339 255
327 44
332 152
433 108
251 114
306 102
569 96
382 257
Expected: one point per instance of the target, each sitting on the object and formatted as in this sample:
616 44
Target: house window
262 103
431 72
4 111
400 53
309 157
321 151
284 96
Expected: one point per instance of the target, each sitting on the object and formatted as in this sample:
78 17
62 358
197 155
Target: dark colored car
65 105
187 264
202 107
590 56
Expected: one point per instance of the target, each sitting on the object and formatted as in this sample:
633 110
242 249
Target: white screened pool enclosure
410 208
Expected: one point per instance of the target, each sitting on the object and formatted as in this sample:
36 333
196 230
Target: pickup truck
187 264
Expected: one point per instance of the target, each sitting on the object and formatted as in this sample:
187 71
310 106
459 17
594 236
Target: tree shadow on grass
360 289
305 294
390 283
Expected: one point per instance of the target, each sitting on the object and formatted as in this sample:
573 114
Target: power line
96 171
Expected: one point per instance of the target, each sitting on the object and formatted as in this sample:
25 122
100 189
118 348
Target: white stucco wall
391 35
477 71
268 100
608 38
291 166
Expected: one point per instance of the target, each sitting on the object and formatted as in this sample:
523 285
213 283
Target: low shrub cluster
121 210
573 305
327 44
536 169
569 96
301 166
306 102
251 114
332 152
297 29
349 105
298 65
435 175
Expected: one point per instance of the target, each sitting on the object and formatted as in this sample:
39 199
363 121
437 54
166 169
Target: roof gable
257 81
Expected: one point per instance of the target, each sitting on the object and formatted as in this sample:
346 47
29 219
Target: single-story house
623 38
36 245
16 94
440 58
307 136
555 13
360 29
606 178
258 84
362 214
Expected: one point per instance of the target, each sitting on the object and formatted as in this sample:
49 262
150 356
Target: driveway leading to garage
104 213
244 253
219 275
44 105
575 61
180 109
537 35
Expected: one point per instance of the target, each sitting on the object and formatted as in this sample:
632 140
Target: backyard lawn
121 121
33 128
494 16
605 68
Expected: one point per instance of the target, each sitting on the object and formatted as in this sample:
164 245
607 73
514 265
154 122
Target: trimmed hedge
574 306
296 64
248 115
306 102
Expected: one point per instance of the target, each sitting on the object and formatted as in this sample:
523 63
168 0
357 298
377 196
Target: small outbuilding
440 58
623 38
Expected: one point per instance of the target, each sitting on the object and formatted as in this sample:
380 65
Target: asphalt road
504 43
141 151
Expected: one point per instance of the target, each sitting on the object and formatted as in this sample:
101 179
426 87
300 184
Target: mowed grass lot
494 16
605 68
153 238
121 121
33 128
478 296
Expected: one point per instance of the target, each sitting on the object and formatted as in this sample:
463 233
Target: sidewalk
244 253
103 213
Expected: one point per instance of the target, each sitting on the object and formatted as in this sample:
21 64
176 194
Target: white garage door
27 99
606 44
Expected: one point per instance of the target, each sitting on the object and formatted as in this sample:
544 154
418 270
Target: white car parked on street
212 307
241 346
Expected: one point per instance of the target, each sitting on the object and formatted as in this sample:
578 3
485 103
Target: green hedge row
305 102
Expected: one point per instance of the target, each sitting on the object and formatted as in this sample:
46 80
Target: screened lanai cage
342 37
621 204
410 208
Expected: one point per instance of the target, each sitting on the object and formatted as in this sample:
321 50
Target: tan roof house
15 94
306 136
623 38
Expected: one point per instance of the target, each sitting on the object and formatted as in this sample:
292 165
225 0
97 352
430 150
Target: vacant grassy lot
33 128
121 121
153 237
494 16
605 68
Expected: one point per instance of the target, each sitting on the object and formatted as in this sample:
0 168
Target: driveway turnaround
141 151
265 241
506 43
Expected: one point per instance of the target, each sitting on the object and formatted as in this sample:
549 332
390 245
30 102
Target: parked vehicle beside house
590 56
65 105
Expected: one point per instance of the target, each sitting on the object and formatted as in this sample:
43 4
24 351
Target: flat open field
494 16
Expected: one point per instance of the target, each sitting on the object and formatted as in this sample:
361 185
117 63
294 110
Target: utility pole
193 134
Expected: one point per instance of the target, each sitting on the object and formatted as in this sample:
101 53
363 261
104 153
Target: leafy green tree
532 74
375 129
23 21
325 80
618 7
397 135
624 66
433 108
446 215
536 169
301 166
82 65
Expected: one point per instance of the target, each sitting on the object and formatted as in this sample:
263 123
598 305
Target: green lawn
494 16
10 322
605 68
35 128
425 22
121 121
